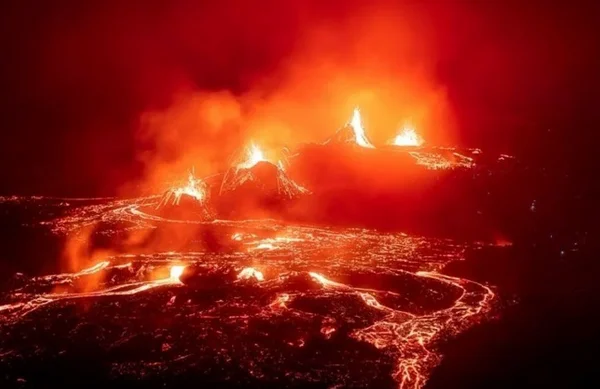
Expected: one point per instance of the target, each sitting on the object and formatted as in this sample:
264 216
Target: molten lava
176 272
259 174
254 155
250 272
252 321
238 315
408 137
359 131
194 188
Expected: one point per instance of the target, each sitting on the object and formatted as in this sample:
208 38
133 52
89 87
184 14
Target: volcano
353 133
263 186
187 207
189 200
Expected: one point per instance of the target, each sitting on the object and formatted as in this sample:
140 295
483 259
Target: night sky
97 96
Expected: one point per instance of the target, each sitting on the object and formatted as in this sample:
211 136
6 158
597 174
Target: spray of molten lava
195 188
254 155
408 137
176 272
359 131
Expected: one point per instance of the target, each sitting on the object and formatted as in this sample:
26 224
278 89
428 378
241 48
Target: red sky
98 94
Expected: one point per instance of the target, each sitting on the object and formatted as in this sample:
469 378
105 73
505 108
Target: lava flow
171 296
357 302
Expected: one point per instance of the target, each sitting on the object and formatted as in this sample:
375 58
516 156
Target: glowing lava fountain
194 188
408 137
254 155
359 131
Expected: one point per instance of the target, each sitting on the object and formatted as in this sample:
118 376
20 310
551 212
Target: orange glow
193 188
265 246
254 155
176 272
306 97
94 269
327 331
280 301
359 131
250 272
408 137
325 281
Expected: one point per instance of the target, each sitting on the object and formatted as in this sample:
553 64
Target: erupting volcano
299 195
353 132
195 189
256 177
182 291
185 200
254 155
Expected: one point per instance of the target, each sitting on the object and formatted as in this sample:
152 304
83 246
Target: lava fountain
359 131
194 188
176 272
408 137
254 155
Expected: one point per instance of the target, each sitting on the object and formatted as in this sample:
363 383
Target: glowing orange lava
176 272
194 188
250 272
359 131
254 155
94 269
289 252
408 137
280 301
324 281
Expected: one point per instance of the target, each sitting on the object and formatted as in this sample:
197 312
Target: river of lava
304 303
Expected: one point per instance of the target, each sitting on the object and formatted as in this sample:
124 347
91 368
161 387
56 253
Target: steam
380 61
